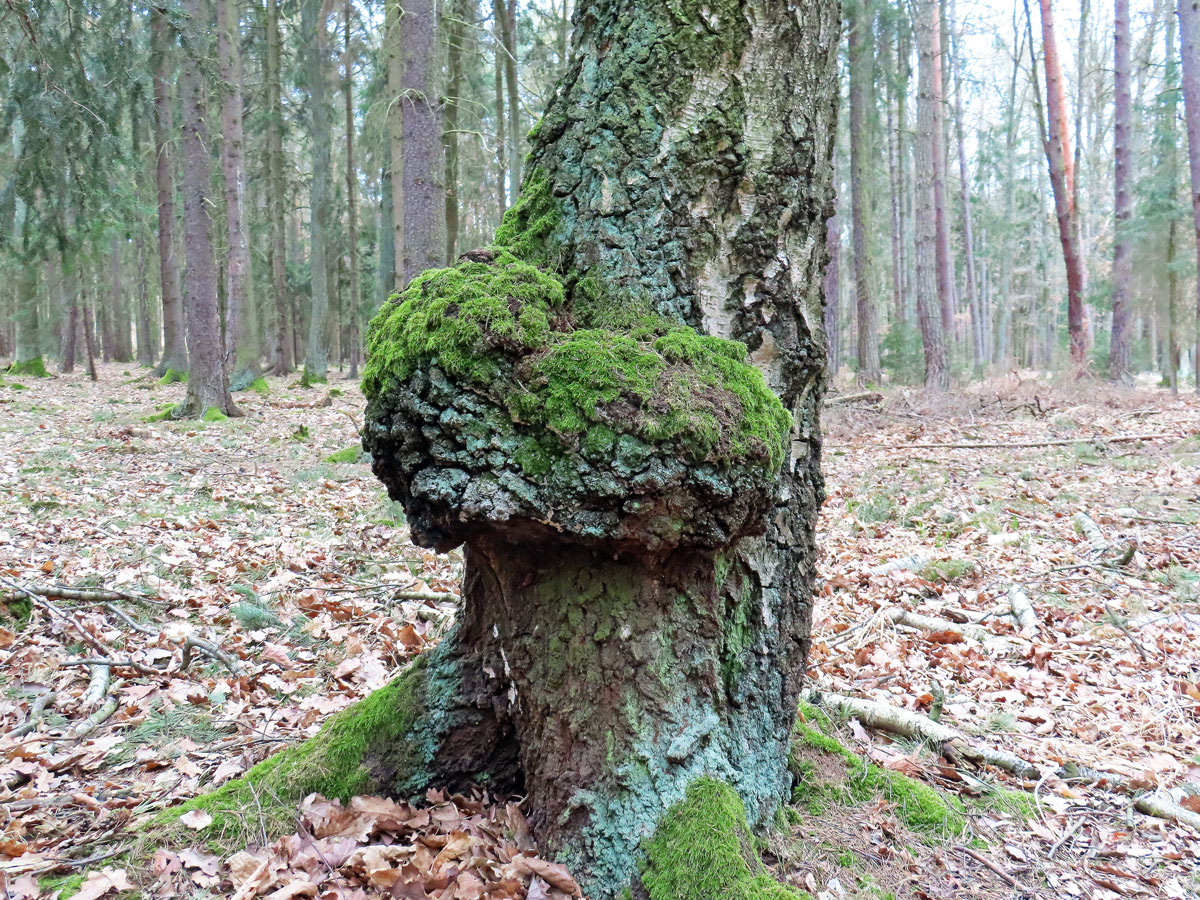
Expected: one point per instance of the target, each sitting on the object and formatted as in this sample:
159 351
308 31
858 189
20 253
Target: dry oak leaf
98 884
555 874
295 889
196 819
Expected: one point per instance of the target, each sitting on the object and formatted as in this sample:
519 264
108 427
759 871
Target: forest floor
295 575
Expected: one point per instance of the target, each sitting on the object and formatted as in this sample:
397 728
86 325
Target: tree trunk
858 58
387 248
208 382
241 322
455 26
1189 52
393 35
930 315
1062 181
1122 267
623 636
284 355
354 338
424 168
944 255
832 287
174 360
895 150
71 324
973 302
316 51
499 15
1168 153
507 15
27 360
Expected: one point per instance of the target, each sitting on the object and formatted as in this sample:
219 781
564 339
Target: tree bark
1122 266
208 382
832 288
930 314
895 151
387 248
174 360
71 324
393 35
610 654
1062 181
944 255
858 57
355 302
423 165
314 14
498 16
241 322
1168 153
284 356
507 14
973 301
1189 52
455 25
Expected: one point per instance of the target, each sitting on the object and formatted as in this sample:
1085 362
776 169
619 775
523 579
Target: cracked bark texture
636 603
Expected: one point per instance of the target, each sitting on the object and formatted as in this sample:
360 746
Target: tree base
33 368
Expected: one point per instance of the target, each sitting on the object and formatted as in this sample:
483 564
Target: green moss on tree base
258 384
163 415
34 368
212 414
309 379
349 455
171 376
335 762
703 850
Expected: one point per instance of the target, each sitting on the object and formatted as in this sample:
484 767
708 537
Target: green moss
528 227
259 386
309 379
334 763
349 455
61 886
213 414
918 805
15 611
171 376
166 413
34 368
947 570
703 850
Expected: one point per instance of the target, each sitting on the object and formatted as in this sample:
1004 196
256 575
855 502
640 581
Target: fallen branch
36 710
1086 526
98 685
997 445
87 595
955 745
1022 610
934 625
208 649
913 563
869 396
983 860
130 621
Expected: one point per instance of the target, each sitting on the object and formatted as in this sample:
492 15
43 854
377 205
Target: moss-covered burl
613 407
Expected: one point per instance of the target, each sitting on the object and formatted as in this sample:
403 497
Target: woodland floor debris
298 569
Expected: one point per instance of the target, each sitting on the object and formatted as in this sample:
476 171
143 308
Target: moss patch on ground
34 368
947 570
829 774
61 886
172 376
349 455
704 850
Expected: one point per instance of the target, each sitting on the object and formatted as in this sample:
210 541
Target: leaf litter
238 537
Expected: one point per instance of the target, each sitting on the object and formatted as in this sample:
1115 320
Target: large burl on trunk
614 408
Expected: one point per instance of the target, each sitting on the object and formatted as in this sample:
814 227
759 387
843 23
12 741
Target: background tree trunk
1122 266
423 165
395 80
314 15
944 255
455 24
974 305
832 287
174 360
208 382
1189 52
355 302
507 16
284 356
930 314
241 322
858 24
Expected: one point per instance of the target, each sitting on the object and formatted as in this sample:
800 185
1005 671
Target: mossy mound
34 368
348 455
172 376
212 414
704 850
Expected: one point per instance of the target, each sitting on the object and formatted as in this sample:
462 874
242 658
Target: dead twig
36 710
208 649
1016 445
983 860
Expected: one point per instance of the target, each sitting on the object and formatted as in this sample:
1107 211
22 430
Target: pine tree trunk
71 323
1122 267
313 25
639 557
930 313
832 287
858 59
1189 52
241 322
208 383
174 360
455 25
894 152
508 35
502 189
944 255
1062 181
386 276
423 165
1168 152
284 354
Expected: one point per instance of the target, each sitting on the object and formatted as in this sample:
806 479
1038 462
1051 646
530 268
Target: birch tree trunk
612 658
